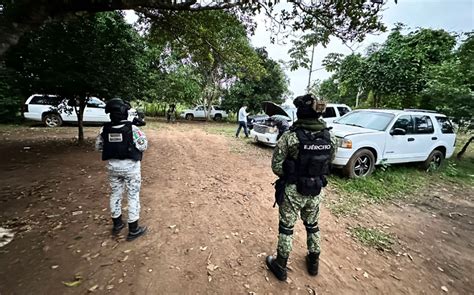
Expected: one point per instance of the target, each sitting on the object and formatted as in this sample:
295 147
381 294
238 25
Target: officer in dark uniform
122 145
301 160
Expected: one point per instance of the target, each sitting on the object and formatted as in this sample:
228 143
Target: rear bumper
266 138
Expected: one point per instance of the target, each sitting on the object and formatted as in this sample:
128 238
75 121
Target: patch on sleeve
115 137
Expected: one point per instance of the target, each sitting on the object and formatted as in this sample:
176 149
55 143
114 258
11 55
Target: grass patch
373 237
395 182
461 171
226 129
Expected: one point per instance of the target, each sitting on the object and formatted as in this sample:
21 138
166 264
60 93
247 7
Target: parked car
266 131
256 119
371 137
52 111
200 112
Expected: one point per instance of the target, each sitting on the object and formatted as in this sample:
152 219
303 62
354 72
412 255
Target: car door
400 148
424 137
199 112
95 111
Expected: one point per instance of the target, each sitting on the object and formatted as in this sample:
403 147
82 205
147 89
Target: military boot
134 231
312 261
277 266
118 225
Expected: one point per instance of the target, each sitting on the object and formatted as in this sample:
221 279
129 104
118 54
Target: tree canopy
420 69
95 55
349 21
252 90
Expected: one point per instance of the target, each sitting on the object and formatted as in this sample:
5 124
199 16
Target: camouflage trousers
296 204
125 174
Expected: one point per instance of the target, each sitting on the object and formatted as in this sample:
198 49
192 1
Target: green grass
460 171
226 129
373 237
395 182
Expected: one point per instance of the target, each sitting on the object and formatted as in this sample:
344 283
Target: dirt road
207 200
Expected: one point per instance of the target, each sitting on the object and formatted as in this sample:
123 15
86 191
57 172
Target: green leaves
252 90
420 69
88 55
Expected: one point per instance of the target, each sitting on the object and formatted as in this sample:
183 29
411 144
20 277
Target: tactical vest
118 143
313 162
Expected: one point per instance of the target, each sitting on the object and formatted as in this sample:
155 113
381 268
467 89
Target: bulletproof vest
313 162
118 142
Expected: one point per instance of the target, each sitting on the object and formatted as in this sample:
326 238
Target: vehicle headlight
345 143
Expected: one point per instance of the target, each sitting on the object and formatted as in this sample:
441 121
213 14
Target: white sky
451 15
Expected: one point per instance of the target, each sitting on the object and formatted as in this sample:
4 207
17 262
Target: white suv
44 108
370 137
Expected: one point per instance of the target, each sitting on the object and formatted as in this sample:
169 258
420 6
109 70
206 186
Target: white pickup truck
200 112
371 137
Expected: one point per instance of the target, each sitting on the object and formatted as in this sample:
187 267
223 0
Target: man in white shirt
242 121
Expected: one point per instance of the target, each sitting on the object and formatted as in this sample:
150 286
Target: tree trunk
464 148
80 119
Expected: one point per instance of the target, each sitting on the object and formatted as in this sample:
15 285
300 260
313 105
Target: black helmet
308 106
117 106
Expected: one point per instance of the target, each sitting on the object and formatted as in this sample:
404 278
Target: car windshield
365 119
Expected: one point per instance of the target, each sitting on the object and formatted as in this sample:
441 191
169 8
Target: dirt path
208 206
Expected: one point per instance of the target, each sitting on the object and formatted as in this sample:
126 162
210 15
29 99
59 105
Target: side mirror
398 131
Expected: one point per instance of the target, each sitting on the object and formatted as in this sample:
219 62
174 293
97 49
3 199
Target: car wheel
217 117
255 139
361 164
434 161
189 117
52 120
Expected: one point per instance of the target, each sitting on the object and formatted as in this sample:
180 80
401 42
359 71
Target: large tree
95 55
214 42
252 90
348 20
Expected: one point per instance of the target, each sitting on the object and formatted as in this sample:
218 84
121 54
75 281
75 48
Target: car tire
189 117
361 164
255 139
434 161
52 120
217 117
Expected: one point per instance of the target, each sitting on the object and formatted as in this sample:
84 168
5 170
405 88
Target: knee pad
311 228
284 229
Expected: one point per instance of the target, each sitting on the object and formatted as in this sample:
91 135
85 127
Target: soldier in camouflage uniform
123 144
302 189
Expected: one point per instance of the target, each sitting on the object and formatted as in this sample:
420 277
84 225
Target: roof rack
420 110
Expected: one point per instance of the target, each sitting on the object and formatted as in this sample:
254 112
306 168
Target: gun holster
280 185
